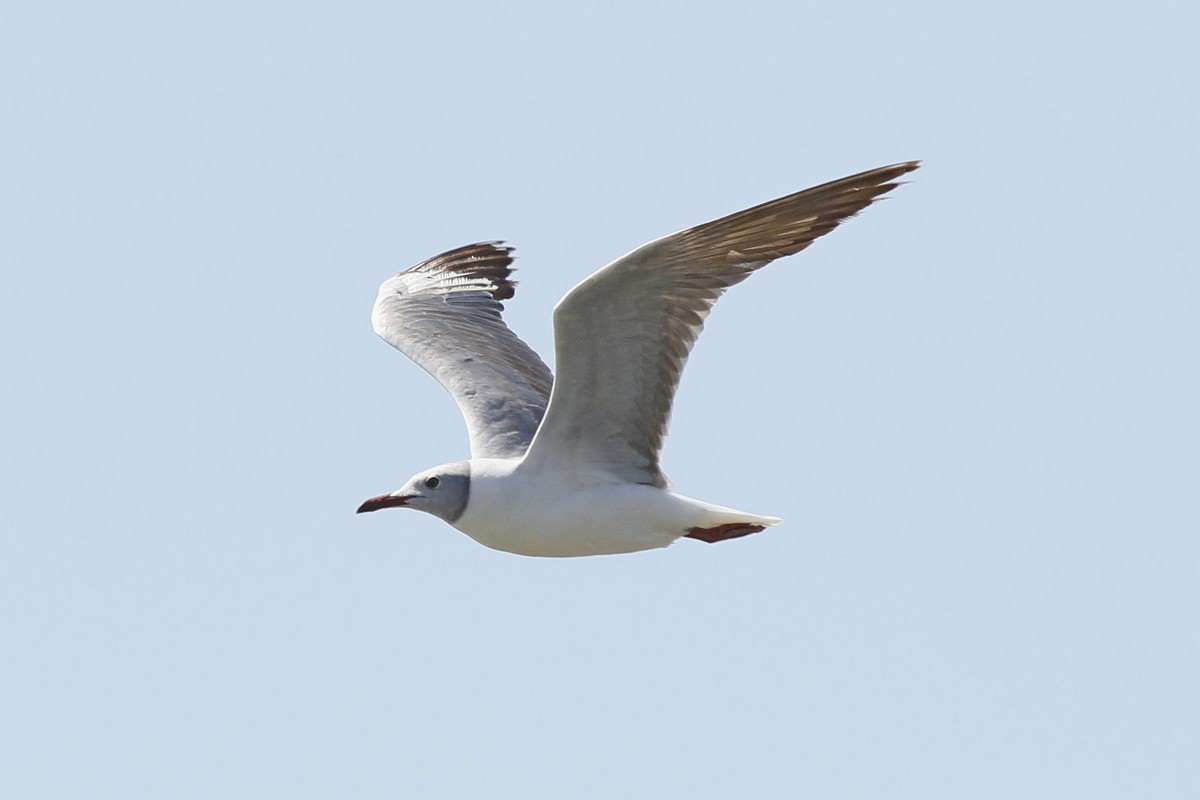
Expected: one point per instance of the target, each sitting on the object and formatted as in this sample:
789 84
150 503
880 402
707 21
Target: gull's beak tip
383 501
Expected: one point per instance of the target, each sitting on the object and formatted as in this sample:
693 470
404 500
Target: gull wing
623 335
444 314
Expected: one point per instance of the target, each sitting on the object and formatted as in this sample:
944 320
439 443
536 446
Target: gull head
442 491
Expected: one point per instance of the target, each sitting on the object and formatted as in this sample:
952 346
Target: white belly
554 517
582 522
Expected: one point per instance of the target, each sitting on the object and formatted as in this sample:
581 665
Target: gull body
569 465
580 519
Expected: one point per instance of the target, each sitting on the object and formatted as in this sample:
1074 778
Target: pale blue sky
975 405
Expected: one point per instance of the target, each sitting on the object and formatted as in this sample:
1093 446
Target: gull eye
433 482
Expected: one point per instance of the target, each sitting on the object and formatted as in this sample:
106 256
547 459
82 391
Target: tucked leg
720 533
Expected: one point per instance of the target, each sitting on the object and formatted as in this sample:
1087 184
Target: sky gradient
974 405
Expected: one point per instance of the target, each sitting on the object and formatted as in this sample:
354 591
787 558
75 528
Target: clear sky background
975 405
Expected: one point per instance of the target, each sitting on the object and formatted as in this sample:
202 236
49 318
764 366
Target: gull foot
722 532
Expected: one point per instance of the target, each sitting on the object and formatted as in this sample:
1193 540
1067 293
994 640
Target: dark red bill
383 501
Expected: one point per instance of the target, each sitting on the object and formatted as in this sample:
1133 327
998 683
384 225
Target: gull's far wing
623 335
444 314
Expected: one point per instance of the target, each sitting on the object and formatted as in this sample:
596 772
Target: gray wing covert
445 314
623 335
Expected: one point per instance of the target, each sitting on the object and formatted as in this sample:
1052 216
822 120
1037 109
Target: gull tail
720 523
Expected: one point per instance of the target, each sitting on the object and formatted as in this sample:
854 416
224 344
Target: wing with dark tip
444 314
623 335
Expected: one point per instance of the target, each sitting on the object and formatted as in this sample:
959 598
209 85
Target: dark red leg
722 532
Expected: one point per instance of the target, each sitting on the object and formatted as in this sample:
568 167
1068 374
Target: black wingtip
481 261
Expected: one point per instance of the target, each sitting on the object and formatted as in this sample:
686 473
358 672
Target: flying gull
569 465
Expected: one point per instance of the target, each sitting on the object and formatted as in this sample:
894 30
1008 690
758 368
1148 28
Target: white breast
540 515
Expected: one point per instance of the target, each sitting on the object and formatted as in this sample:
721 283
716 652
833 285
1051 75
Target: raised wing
444 314
623 335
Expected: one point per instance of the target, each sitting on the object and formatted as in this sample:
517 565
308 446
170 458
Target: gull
568 465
